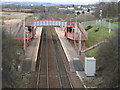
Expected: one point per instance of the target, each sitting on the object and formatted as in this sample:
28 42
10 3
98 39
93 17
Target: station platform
70 52
76 61
31 52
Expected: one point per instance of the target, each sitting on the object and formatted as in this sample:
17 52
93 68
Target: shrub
88 27
96 30
107 60
10 77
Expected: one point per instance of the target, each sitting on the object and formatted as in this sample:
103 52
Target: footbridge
27 30
50 23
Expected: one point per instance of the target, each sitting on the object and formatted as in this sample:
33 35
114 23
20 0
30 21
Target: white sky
78 1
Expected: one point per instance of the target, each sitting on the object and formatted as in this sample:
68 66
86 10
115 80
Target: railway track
52 66
42 68
52 72
64 77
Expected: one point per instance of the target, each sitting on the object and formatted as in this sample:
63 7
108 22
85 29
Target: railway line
52 72
52 65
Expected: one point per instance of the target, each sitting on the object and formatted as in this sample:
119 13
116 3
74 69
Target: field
13 17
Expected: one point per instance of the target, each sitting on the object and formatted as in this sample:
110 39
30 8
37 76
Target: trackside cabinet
90 66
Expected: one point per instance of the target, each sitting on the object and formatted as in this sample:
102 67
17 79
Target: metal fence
104 24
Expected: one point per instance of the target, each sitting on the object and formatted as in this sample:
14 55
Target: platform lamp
61 24
110 25
24 34
101 17
75 29
70 20
79 43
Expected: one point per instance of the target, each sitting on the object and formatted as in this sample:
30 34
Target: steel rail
58 74
38 76
58 68
66 70
47 59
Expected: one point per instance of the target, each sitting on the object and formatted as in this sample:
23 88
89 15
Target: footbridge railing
50 23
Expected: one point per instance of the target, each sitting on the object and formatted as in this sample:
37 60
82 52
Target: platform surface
71 53
31 53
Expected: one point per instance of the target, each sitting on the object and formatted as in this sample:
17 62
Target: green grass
92 52
116 23
95 37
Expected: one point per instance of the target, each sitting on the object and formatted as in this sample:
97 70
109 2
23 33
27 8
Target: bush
88 27
96 30
10 77
107 61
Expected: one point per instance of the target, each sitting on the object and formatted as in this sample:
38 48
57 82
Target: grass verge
95 37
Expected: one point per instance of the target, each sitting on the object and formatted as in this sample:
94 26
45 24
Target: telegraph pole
101 17
76 18
109 25
79 43
79 46
61 24
75 29
24 34
70 20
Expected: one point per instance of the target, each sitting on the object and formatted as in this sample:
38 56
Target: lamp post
101 17
24 34
79 46
70 20
110 25
75 32
76 18
61 24
79 42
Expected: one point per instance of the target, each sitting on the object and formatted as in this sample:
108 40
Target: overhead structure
68 27
50 23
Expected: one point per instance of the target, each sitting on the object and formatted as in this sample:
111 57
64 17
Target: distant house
93 7
79 7
78 11
62 8
84 9
70 8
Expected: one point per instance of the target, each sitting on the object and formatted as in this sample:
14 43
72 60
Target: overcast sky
79 1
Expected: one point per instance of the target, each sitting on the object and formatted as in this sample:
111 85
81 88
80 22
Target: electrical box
90 66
